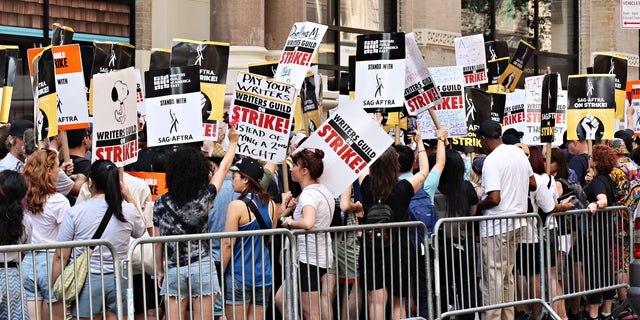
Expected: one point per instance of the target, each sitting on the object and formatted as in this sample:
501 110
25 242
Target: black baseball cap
19 126
249 167
490 129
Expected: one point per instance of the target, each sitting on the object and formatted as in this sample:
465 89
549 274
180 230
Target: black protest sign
510 77
478 109
159 59
497 53
590 107
549 107
606 63
108 57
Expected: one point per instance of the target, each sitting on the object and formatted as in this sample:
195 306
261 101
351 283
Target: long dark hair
384 174
13 188
187 175
255 189
558 156
106 179
451 181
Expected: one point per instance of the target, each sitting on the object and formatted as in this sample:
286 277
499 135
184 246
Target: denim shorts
236 293
202 276
89 302
42 277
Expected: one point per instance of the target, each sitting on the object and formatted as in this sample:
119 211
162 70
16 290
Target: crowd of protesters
210 190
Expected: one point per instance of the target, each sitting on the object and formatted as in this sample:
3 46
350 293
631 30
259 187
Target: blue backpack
421 209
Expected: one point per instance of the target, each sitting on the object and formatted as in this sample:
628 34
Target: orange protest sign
155 180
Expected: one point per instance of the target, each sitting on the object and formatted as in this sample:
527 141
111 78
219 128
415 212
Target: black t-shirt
81 165
398 200
601 184
468 194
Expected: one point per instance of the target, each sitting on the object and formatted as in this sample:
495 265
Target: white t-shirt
82 220
543 198
506 169
315 249
46 224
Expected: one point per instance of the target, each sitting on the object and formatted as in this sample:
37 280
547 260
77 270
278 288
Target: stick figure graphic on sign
174 122
589 88
199 54
112 58
379 86
59 104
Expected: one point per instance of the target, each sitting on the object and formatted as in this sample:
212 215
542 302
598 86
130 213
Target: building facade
565 32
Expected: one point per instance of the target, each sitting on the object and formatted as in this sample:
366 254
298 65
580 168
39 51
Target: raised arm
225 164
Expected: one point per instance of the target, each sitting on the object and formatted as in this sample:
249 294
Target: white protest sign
561 118
174 114
115 123
299 50
380 64
514 111
449 82
420 92
263 110
471 55
533 105
351 142
140 97
72 107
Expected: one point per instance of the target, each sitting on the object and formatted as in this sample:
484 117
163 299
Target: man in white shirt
14 160
507 178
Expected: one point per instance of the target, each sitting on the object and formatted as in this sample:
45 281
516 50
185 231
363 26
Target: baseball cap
249 167
618 145
477 164
512 136
490 129
19 126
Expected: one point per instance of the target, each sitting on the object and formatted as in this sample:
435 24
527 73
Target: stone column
242 24
143 33
281 15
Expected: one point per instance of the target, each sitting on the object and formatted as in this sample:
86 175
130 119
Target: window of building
550 25
346 20
27 24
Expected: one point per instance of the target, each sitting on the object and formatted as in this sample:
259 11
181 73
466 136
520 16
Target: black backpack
574 189
380 212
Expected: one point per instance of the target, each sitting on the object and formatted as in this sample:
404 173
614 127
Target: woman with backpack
379 259
313 210
457 197
118 220
248 278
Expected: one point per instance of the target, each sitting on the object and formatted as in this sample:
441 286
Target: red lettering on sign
342 149
260 119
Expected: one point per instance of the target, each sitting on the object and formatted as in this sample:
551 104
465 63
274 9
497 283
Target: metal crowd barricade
467 277
369 259
36 255
593 249
240 293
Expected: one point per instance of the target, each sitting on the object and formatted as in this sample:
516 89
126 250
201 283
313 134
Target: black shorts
310 276
150 290
528 260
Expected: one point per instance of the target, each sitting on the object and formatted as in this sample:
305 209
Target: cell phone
411 126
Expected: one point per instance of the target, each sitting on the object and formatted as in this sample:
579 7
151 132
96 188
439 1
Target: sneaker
627 314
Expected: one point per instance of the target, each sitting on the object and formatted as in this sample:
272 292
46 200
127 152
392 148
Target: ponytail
106 179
